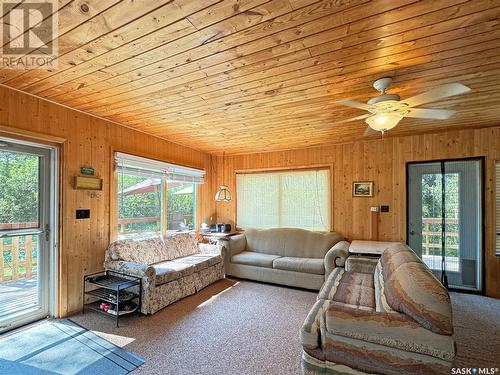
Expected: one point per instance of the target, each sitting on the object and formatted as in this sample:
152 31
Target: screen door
445 219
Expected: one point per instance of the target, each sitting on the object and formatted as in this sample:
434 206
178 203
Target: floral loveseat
171 267
382 316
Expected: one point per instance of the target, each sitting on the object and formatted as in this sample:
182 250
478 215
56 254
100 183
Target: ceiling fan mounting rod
382 84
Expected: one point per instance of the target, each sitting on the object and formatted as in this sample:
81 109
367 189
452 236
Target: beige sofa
287 256
386 315
171 267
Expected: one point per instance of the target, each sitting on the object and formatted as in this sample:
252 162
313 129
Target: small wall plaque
87 171
88 183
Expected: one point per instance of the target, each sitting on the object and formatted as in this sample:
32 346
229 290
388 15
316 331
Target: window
497 205
155 197
299 199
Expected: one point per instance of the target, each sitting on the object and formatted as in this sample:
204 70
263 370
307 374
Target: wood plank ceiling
258 75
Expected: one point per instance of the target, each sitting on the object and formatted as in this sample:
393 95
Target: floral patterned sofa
385 316
171 267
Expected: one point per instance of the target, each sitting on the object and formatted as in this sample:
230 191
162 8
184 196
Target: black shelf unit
109 284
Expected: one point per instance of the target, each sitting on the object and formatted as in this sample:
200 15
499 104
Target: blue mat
63 347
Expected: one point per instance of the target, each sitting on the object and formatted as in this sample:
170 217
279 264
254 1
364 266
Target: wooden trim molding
26 135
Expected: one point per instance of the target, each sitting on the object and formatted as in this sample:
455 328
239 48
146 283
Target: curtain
297 199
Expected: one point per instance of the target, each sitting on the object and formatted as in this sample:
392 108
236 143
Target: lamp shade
223 195
384 121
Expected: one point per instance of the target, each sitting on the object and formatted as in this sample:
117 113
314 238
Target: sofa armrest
131 268
336 256
214 249
236 244
310 330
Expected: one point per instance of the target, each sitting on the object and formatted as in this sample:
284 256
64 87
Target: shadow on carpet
63 347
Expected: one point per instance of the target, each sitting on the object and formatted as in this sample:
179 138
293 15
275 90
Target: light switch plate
83 214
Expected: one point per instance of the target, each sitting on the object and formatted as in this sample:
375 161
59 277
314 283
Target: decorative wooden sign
88 183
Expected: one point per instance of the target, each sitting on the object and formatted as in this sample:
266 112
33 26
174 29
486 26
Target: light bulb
384 121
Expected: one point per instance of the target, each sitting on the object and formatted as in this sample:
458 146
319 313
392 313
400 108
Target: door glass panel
458 262
431 220
19 190
24 213
19 276
452 221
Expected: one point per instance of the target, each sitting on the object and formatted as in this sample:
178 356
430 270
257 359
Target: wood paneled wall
382 161
89 141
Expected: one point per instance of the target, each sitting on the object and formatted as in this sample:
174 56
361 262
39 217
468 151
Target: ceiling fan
387 110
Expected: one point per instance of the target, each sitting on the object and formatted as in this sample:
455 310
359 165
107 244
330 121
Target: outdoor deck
17 294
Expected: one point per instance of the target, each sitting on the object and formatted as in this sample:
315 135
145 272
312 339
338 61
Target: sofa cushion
356 356
351 288
395 256
411 288
306 265
291 242
169 271
180 244
199 261
145 251
389 329
361 264
254 259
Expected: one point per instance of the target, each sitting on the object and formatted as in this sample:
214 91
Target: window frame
312 167
113 202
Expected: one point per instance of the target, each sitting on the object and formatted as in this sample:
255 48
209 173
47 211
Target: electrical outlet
374 209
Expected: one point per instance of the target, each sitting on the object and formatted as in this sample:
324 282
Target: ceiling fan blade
436 114
440 92
362 117
354 104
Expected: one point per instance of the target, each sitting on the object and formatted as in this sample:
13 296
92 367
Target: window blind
299 199
139 166
497 206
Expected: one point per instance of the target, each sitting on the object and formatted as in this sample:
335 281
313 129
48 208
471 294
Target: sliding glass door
445 219
25 196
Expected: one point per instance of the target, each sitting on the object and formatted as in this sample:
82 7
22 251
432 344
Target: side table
370 248
215 237
113 288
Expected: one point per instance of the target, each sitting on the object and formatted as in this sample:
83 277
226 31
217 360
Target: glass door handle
412 232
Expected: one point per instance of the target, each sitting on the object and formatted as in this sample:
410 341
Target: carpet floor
243 327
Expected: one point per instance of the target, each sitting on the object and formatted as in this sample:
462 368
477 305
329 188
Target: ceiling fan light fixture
384 121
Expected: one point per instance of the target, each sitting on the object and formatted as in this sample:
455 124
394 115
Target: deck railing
129 227
122 224
18 257
431 238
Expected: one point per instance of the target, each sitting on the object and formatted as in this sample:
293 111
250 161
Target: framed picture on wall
362 189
